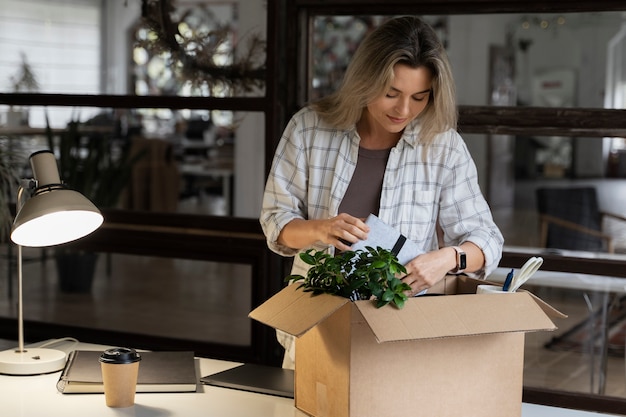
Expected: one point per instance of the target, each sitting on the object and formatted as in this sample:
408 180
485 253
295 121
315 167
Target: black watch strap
461 260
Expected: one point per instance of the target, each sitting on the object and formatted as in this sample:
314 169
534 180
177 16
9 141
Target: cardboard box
459 354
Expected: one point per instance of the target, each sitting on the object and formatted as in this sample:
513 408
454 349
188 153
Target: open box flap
547 308
453 284
295 311
458 315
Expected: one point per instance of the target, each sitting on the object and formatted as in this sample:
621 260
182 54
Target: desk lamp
48 213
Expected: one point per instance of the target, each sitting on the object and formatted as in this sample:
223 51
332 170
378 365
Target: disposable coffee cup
490 289
120 367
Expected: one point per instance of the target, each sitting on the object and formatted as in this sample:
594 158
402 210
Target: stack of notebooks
159 371
163 371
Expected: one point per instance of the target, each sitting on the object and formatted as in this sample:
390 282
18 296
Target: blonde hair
404 40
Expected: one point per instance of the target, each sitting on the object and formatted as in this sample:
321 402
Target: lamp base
31 361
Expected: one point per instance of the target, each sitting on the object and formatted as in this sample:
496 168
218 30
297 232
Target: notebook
255 378
159 371
387 237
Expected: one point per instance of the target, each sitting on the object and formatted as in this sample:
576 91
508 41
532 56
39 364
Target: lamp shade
54 218
55 214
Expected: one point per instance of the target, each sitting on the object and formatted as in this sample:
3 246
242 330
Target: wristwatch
461 260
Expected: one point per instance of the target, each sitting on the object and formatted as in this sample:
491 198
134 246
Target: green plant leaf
388 295
294 278
399 300
380 264
357 275
307 258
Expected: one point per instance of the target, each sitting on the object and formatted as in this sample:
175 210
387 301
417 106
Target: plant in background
91 165
25 79
357 275
9 181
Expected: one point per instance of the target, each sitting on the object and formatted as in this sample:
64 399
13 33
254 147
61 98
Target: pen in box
508 280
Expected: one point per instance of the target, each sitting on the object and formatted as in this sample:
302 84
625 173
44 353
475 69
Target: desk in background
607 287
35 396
568 280
198 174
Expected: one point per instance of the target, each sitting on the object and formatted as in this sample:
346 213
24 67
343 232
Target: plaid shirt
314 164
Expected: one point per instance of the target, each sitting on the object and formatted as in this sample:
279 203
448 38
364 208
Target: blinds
59 39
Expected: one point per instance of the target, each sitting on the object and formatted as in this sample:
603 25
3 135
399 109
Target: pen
508 280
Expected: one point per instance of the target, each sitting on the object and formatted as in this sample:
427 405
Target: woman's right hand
340 231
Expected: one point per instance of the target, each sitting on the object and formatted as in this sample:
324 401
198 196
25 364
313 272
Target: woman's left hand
427 269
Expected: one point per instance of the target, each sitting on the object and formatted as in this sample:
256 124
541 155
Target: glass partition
559 60
162 160
175 298
538 60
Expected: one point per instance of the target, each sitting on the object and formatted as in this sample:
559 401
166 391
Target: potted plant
91 165
357 275
24 80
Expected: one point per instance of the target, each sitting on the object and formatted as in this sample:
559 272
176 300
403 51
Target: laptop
255 378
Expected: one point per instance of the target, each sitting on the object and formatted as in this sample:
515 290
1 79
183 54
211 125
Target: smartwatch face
462 261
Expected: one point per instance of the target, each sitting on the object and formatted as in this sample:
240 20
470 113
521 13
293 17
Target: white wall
579 44
120 17
250 139
469 40
585 40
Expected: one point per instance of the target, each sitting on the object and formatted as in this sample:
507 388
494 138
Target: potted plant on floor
91 164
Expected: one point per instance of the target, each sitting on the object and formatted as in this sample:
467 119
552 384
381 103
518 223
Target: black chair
570 218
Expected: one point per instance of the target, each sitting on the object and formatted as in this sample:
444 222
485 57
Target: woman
383 143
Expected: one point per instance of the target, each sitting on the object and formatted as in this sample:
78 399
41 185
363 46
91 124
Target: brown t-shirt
363 194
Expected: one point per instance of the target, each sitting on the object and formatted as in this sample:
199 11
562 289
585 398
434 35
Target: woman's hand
340 231
429 268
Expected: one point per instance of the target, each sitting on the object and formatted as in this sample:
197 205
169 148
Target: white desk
36 396
568 280
212 169
585 283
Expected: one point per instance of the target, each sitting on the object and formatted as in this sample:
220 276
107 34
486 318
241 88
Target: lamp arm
24 192
20 309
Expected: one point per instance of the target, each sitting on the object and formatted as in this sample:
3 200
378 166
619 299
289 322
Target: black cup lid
120 356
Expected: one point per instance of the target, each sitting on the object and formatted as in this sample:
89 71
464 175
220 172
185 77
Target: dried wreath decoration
193 53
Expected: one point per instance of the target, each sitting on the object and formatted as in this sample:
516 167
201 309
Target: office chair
570 218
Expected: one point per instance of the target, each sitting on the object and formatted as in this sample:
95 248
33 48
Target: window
60 41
